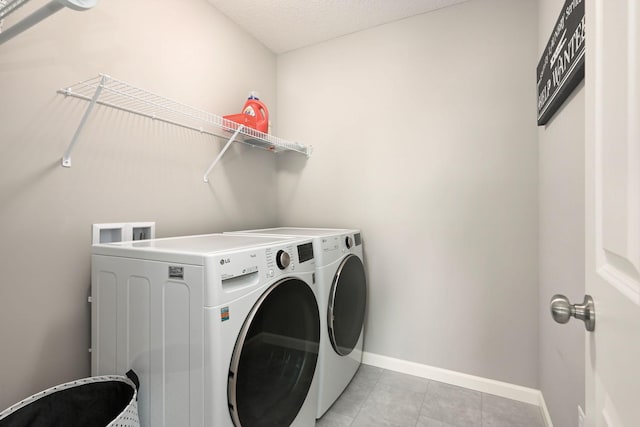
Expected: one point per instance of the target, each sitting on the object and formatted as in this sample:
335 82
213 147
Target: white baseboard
484 385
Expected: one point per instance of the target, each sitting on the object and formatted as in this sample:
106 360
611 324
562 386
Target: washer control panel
241 271
288 258
305 252
238 265
279 259
267 262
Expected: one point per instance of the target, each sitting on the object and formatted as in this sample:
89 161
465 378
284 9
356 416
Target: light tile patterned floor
377 397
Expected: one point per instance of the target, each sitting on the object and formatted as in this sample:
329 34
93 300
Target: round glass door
275 357
347 303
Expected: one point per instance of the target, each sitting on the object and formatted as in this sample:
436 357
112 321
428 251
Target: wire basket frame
62 395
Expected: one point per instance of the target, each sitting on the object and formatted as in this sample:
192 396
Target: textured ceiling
284 25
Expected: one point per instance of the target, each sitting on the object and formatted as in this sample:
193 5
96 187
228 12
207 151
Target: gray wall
125 168
562 247
425 138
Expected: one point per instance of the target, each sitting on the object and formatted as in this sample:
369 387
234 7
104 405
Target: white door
613 211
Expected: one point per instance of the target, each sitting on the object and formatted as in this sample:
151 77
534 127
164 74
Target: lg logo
224 261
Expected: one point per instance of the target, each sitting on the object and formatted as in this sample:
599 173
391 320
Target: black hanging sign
561 66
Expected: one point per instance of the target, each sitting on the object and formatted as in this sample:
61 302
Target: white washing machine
342 299
222 330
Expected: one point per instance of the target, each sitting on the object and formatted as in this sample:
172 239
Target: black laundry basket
104 401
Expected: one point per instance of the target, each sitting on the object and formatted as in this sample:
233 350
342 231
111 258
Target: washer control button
283 259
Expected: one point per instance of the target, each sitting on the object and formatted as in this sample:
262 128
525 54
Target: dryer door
275 356
347 302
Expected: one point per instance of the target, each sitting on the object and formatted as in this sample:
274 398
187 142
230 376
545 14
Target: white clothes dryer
342 300
222 330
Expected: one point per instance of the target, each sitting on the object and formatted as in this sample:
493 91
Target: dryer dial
348 241
283 259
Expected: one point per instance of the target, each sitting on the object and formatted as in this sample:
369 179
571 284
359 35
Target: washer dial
283 259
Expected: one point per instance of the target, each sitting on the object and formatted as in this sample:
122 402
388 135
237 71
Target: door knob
562 311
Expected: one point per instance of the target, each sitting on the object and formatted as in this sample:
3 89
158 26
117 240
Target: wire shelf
108 91
7 7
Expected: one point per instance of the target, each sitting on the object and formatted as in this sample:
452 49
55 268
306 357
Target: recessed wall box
143 230
107 233
123 232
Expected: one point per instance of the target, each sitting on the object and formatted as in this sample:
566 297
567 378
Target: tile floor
377 397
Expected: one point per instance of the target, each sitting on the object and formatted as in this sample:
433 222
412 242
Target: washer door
275 356
347 302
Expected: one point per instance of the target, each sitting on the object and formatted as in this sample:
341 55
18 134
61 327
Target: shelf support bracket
66 158
224 149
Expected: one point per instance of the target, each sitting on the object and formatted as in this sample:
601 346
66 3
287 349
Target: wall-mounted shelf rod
45 11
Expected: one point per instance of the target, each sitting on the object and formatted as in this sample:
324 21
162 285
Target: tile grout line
481 409
366 398
426 393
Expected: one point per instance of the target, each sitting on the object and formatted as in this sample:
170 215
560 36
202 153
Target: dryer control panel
334 247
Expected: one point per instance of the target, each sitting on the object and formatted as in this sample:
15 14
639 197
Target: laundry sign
561 66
